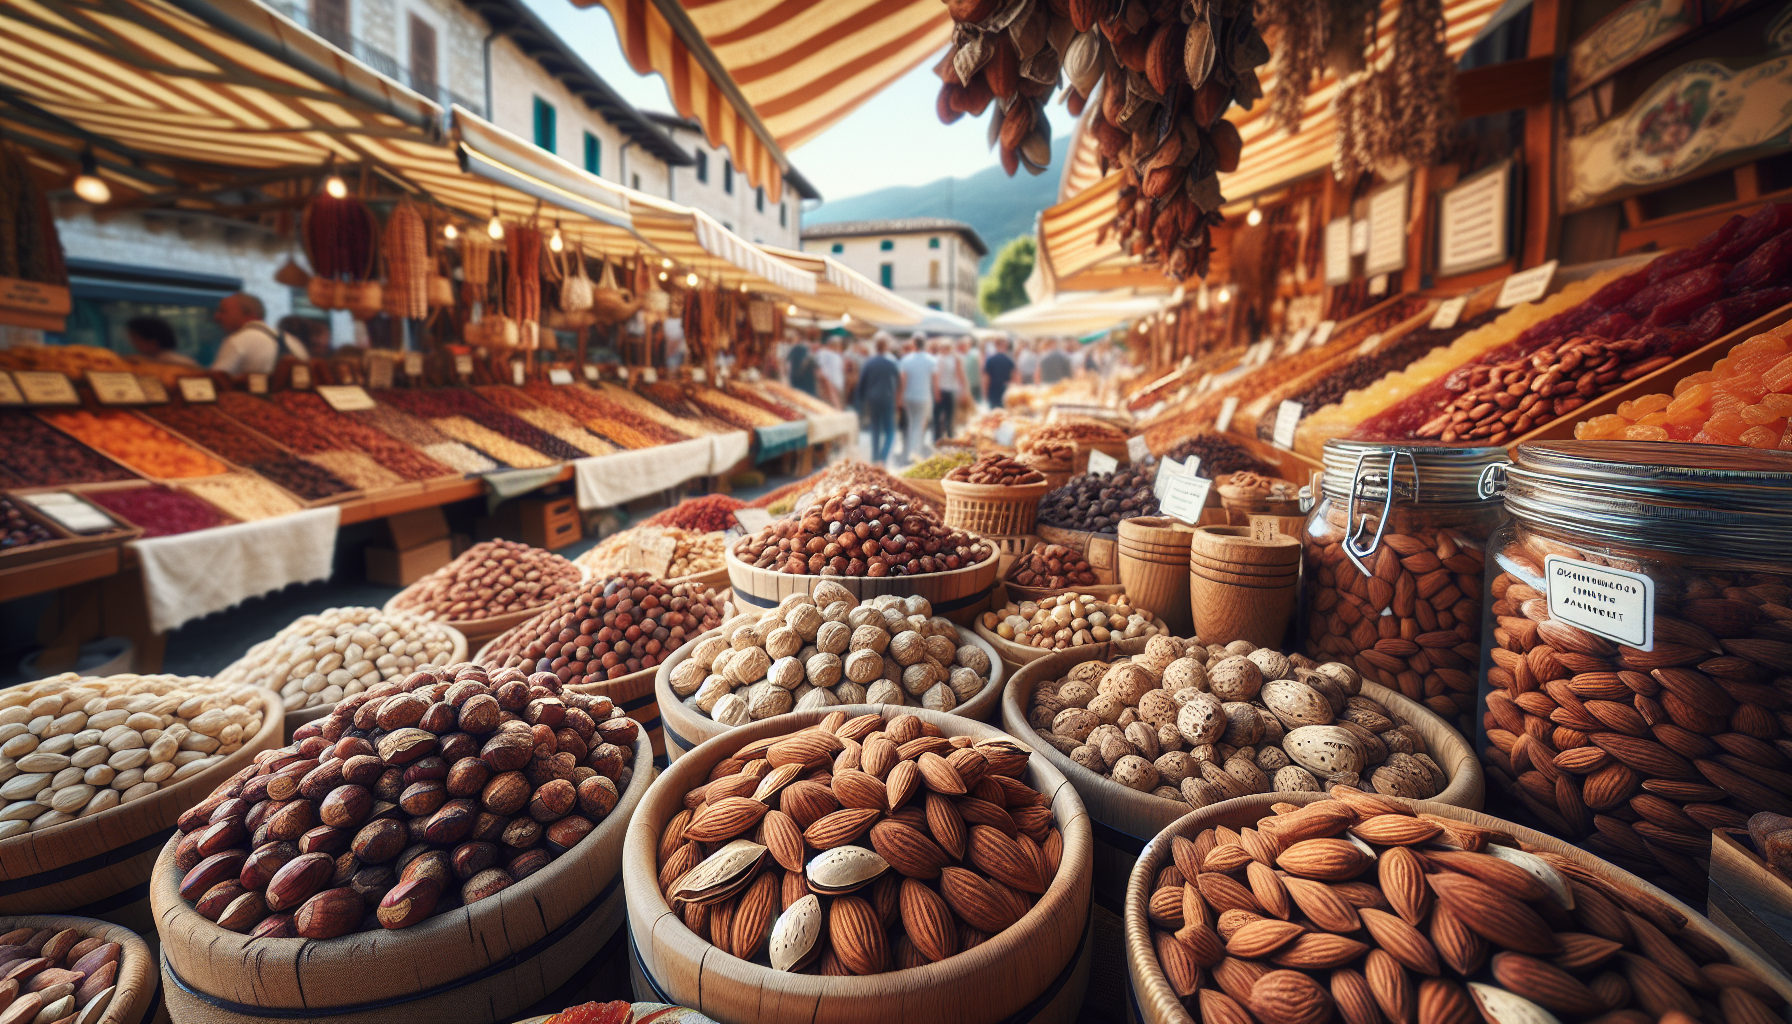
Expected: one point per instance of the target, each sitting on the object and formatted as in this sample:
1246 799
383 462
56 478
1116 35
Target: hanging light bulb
335 187
555 242
791 311
666 263
662 275
89 185
690 280
743 287
846 318
494 227
1254 218
1224 296
1169 318
450 232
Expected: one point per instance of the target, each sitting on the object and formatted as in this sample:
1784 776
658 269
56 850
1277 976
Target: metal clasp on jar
1354 549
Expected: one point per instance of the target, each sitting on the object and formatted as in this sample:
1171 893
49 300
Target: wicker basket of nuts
1299 908
100 768
75 968
441 850
817 651
909 866
1147 729
996 494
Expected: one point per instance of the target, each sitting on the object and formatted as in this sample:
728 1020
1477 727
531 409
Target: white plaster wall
517 80
911 258
180 243
737 211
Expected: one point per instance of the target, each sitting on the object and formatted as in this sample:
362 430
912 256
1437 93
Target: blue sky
894 139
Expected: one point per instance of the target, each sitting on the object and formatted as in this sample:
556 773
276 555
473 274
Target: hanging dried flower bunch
1311 35
1399 104
1423 76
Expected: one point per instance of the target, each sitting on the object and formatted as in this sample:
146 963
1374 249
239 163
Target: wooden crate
1749 899
549 523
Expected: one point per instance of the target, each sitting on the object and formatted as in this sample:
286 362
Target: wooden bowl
1018 593
1031 971
957 594
1156 1003
468 965
686 727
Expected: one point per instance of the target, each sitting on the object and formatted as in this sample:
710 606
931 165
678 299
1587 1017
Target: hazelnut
408 902
489 882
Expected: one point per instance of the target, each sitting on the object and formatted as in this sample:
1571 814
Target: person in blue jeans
879 381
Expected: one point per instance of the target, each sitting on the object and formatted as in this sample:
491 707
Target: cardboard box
549 523
418 527
395 568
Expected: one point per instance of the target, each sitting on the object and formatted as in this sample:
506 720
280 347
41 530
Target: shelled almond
1356 909
1201 723
1643 753
859 847
49 974
407 800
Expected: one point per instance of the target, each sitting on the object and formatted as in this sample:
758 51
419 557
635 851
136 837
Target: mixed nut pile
71 746
868 532
339 652
1643 753
17 530
1496 402
1053 567
1098 501
56 976
609 628
489 579
693 552
1354 908
1201 723
1071 620
408 799
822 649
996 470
866 846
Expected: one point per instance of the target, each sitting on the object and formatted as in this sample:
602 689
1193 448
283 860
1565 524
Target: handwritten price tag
1136 448
345 397
46 387
1185 497
198 389
1527 286
1102 462
115 388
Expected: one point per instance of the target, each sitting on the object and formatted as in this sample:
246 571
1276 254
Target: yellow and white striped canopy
840 289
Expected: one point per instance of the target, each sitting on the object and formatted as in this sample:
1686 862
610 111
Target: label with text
345 397
1228 409
559 376
258 383
1102 462
153 391
1288 416
1611 603
1324 333
1448 313
1267 529
413 364
379 373
463 365
198 389
752 520
1185 496
301 376
46 387
9 391
653 554
1136 448
591 371
1300 339
72 513
1166 468
113 388
1527 286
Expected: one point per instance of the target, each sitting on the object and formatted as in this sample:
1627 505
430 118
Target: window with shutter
329 18
423 56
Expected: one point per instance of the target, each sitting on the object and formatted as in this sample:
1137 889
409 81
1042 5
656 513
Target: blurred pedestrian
1026 363
919 393
1055 364
997 370
948 384
154 340
879 384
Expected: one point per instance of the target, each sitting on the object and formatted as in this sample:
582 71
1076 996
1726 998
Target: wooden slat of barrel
1041 955
957 594
99 859
472 964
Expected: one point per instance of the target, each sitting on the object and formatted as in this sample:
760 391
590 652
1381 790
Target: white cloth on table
726 450
834 424
190 575
607 480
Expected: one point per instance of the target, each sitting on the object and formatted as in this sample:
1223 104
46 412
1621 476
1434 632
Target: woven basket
135 996
989 508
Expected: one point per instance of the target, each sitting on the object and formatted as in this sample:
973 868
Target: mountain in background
998 206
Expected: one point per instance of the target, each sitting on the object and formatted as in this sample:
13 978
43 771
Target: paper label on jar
1228 409
1136 448
1607 602
1102 462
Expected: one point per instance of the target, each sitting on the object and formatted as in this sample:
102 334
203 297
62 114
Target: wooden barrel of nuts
1153 557
958 594
685 727
135 988
99 865
1124 819
1035 970
633 693
469 965
1673 929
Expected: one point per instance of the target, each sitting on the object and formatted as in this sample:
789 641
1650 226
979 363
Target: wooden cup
1224 612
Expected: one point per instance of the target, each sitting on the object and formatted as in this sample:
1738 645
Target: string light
494 227
690 280
89 185
556 243
450 232
743 287
1169 318
846 318
662 275
1224 296
335 187
1254 218
791 311
666 263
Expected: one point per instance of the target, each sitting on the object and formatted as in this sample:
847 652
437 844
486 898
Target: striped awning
840 289
1078 313
766 76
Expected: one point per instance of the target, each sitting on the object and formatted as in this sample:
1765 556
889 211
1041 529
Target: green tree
1005 286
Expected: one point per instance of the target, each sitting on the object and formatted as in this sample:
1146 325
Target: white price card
1337 251
258 383
1265 350
1612 603
153 391
1448 313
1185 497
1324 333
559 376
516 374
1166 468
1359 237
113 388
1288 416
345 397
379 372
46 387
1527 285
591 371
463 365
9 392
752 520
1378 285
699 375
650 375
1228 409
1102 462
1370 344
71 512
413 364
301 376
1136 448
198 389
1299 341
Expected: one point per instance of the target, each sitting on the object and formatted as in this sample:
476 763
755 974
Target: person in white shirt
948 380
830 371
250 345
919 393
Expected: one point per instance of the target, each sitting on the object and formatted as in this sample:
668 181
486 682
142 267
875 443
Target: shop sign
1700 118
1472 222
1386 249
198 389
1337 251
345 397
9 392
1638 28
46 387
